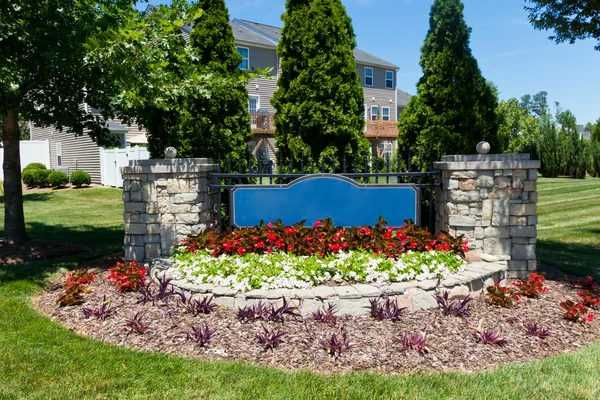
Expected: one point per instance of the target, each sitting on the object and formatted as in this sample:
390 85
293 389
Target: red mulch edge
35 250
451 344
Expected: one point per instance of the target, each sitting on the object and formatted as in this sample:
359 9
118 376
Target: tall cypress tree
455 107
218 125
319 99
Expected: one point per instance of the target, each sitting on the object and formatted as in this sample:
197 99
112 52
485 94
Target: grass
39 359
569 225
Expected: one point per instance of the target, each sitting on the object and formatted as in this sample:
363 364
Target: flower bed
275 256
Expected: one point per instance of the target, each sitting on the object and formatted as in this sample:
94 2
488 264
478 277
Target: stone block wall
166 200
492 200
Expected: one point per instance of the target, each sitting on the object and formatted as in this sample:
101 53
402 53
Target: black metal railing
265 171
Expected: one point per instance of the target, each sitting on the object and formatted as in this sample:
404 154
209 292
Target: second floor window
374 112
253 103
389 80
385 113
245 53
368 76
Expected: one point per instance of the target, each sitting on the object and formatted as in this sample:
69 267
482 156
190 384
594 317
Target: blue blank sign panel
315 197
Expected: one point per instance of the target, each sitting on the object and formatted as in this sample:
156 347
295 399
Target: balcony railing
381 129
262 123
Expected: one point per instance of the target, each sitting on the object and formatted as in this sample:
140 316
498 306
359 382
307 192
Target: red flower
260 245
290 231
318 224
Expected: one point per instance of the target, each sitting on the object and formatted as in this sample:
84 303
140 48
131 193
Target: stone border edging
351 299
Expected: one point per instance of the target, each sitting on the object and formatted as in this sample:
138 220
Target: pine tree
455 107
319 99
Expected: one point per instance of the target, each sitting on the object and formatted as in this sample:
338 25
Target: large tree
47 72
455 107
570 20
518 131
319 99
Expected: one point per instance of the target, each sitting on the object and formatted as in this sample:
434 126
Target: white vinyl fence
112 160
31 151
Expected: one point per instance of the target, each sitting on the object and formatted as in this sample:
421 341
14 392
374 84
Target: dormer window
245 53
368 76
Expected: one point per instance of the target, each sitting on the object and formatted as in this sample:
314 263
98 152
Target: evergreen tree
319 99
455 107
218 125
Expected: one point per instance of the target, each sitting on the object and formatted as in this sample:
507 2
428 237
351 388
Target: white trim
257 101
372 76
383 115
386 79
255 31
248 58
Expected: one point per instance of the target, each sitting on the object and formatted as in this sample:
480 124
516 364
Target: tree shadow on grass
39 196
570 258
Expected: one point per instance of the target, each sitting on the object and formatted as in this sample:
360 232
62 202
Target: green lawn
41 360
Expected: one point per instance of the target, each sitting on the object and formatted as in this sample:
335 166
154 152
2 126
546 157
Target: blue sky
517 58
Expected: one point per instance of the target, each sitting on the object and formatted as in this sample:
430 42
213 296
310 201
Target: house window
245 53
385 150
385 113
368 76
59 154
253 103
374 112
389 80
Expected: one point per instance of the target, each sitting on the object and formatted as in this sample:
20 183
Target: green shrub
79 178
40 177
594 151
35 165
58 178
28 177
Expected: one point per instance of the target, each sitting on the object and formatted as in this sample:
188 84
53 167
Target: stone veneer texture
165 200
492 200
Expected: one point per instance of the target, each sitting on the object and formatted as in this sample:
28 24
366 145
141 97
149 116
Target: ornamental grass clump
326 315
101 312
127 277
532 286
502 296
137 325
262 311
532 328
269 338
336 345
576 312
196 306
416 341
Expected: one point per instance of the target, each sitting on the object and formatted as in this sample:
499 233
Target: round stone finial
483 147
170 152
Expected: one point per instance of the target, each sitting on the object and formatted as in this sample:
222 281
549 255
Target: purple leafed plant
165 290
490 337
416 341
336 345
195 307
278 314
460 308
252 313
269 338
145 292
137 325
326 315
387 310
201 334
532 328
101 312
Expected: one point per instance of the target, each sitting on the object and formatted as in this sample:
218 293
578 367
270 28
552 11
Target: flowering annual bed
275 256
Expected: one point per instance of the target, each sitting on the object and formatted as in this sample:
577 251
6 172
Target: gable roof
584 134
403 98
272 34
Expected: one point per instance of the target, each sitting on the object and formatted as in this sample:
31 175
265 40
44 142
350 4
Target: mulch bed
35 250
450 340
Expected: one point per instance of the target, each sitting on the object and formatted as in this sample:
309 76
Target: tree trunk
14 219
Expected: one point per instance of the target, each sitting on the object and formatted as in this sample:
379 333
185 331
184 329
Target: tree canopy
319 99
571 20
455 107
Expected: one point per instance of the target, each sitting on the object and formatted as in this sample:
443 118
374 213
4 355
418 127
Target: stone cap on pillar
165 166
487 161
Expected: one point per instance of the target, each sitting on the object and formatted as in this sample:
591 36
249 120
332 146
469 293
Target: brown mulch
37 249
68 186
450 340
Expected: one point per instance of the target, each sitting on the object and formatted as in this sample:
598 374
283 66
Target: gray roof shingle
403 98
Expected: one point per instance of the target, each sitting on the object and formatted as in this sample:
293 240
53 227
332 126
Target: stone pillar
166 200
492 200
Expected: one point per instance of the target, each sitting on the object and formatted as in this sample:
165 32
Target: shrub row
37 175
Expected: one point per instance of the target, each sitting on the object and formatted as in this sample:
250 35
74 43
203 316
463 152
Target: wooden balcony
262 124
381 129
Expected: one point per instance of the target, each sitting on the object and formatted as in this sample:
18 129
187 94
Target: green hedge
58 178
80 178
